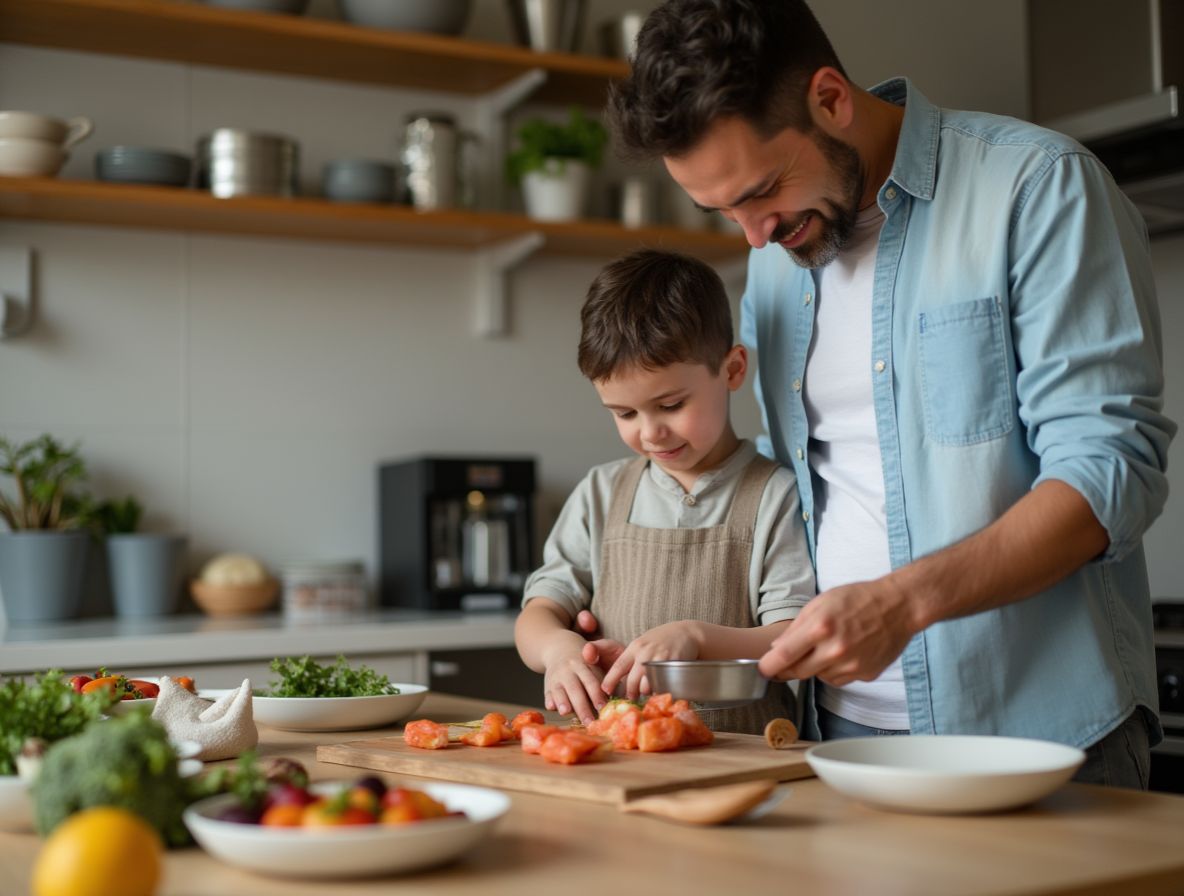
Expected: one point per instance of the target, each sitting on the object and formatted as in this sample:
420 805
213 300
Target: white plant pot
559 192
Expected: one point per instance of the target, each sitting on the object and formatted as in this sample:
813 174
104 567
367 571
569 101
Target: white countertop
207 639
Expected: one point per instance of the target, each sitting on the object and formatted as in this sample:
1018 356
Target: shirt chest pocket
965 383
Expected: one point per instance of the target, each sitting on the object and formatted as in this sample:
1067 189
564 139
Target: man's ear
735 366
829 98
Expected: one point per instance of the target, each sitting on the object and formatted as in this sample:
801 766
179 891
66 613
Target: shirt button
890 193
688 500
800 453
806 515
880 365
797 385
809 298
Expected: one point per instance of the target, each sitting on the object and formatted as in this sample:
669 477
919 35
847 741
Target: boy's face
677 416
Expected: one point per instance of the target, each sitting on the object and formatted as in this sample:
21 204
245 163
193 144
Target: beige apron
653 576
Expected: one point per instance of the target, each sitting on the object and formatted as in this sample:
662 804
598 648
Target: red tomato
695 732
659 734
426 734
146 689
78 681
187 683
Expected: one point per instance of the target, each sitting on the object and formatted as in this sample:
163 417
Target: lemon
99 852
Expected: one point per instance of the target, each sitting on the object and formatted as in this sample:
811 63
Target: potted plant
554 162
145 567
43 554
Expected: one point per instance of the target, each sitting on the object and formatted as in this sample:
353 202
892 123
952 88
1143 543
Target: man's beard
837 226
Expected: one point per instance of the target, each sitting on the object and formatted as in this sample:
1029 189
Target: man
959 354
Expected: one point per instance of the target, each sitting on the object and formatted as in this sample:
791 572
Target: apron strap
624 487
749 492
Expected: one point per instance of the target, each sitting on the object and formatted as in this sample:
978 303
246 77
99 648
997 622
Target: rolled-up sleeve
566 574
1089 347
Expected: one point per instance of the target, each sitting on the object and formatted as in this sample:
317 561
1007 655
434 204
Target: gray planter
41 574
145 573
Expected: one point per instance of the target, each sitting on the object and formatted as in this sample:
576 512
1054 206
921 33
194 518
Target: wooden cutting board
623 776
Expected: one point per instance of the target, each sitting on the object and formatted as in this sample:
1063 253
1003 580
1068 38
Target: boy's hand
672 641
571 685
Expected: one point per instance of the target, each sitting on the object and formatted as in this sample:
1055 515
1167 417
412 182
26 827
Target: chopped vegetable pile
305 677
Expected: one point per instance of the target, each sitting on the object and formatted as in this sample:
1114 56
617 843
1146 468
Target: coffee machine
455 534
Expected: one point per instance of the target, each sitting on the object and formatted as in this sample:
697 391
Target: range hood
1110 75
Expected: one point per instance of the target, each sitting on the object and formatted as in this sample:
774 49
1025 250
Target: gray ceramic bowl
359 180
713 684
139 165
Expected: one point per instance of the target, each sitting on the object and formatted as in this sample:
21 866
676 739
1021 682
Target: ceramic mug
34 126
27 157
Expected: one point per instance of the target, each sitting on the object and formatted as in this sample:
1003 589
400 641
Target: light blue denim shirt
1015 338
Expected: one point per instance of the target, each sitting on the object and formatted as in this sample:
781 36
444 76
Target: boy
694 550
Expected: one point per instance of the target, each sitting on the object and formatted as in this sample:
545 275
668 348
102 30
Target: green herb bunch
581 139
47 708
305 677
44 473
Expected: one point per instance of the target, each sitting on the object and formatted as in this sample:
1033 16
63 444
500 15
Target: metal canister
233 162
431 161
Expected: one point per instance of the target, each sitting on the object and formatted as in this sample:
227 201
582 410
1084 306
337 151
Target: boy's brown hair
651 309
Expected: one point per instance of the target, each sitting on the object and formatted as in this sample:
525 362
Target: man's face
800 190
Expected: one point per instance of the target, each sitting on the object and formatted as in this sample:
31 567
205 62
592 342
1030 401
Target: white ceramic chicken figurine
224 728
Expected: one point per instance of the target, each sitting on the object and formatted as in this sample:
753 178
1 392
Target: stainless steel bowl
712 684
234 162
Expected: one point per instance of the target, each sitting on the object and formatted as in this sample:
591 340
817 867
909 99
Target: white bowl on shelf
30 157
944 774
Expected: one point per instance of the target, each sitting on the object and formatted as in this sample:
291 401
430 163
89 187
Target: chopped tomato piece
426 734
145 689
659 734
657 706
524 718
695 732
678 706
532 736
494 729
624 733
571 747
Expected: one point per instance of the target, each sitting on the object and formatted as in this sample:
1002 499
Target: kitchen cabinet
188 32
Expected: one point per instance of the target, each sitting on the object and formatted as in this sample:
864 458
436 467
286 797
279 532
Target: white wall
245 389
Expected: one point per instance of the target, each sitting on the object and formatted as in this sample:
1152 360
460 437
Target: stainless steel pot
547 26
233 162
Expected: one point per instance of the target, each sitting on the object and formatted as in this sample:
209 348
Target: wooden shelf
172 208
178 31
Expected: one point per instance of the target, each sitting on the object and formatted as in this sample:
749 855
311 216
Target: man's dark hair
697 61
651 309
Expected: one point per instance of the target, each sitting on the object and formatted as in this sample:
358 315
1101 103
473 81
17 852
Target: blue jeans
1120 759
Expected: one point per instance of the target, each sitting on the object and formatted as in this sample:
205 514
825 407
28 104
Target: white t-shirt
850 521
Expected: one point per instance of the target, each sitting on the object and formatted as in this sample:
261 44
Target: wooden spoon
704 805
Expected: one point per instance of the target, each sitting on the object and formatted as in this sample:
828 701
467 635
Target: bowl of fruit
132 693
344 828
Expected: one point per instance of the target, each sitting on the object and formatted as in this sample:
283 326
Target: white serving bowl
944 774
29 157
353 850
16 806
332 713
123 707
35 126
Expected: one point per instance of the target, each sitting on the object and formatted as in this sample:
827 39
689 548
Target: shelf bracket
16 291
493 265
491 109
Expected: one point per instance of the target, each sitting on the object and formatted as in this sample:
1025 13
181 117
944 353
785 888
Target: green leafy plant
305 677
116 517
580 139
47 708
45 474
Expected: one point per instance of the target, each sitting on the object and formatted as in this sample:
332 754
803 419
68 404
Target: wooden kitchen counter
1082 839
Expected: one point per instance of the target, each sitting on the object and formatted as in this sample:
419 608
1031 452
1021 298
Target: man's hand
850 633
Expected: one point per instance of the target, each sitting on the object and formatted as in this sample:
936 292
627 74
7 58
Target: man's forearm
1043 537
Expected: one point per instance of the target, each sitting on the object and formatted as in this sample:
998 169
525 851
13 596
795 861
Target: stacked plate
138 165
234 162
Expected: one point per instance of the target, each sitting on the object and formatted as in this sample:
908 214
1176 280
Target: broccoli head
126 761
